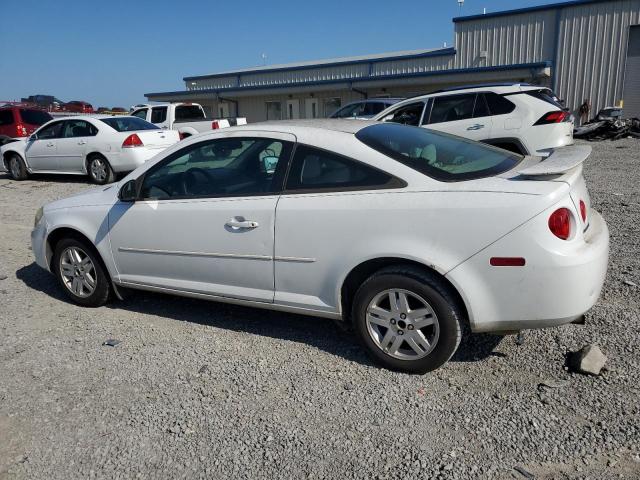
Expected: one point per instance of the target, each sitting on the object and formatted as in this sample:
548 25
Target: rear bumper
560 282
131 158
546 138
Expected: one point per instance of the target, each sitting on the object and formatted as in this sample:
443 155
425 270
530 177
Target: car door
465 115
204 221
159 116
73 145
41 148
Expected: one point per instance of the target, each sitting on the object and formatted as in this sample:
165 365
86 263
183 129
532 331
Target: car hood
105 195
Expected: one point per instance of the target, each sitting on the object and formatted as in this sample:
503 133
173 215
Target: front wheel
99 170
407 319
17 167
80 273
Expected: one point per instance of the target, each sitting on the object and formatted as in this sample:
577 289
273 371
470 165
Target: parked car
406 233
365 109
76 106
99 147
522 118
187 118
102 110
18 121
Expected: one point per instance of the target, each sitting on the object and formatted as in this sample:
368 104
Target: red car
20 121
77 106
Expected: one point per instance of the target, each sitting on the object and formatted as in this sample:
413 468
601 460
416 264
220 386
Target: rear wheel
17 167
99 170
80 272
407 319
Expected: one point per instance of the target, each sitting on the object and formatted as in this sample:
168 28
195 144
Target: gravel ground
206 390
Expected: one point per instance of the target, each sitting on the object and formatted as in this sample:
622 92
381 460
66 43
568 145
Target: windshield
189 112
438 155
128 124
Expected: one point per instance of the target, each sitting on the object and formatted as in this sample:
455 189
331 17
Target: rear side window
189 112
34 117
158 114
438 155
6 117
498 105
314 169
410 114
78 128
452 108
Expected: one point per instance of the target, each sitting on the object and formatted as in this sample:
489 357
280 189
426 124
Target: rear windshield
546 95
438 155
128 124
34 117
189 112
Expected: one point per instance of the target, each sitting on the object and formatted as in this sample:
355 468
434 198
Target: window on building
315 169
331 105
274 110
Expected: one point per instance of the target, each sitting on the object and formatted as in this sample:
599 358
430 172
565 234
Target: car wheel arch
7 154
62 232
359 273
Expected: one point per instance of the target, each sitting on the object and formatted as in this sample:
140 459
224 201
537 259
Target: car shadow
317 332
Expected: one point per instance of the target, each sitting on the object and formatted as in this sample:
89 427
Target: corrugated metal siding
632 75
592 47
516 39
213 83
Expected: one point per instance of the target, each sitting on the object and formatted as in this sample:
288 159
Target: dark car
364 109
77 106
20 121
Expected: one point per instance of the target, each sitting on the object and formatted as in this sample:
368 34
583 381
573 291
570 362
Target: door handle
234 223
50 144
477 126
81 142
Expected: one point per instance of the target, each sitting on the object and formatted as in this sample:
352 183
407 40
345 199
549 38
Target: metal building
581 48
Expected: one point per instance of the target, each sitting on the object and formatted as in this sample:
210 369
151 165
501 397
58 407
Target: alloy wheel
14 165
78 272
402 324
98 169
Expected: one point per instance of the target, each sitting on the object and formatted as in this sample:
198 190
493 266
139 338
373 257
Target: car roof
499 88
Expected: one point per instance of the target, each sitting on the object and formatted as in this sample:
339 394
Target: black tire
99 170
16 167
427 286
102 288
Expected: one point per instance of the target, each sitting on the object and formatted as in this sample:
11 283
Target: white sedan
406 233
99 147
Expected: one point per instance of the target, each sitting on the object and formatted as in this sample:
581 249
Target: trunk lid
157 138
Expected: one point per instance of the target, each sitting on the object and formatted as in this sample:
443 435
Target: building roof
378 57
516 11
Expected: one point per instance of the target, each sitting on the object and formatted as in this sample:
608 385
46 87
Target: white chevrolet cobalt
99 147
404 232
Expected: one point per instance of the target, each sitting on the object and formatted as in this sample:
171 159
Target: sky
111 52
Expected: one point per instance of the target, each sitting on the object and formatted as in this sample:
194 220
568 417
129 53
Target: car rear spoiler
560 161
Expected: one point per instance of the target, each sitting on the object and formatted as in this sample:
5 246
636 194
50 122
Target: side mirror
270 164
128 192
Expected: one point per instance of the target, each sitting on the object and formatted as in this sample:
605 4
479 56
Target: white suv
523 118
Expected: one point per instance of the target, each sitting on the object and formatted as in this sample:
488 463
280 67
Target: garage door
632 75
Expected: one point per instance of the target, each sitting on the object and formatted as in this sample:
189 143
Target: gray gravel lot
206 390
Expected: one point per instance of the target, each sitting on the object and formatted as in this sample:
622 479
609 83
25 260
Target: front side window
274 110
140 113
158 114
220 168
78 128
50 131
406 114
452 108
438 155
313 169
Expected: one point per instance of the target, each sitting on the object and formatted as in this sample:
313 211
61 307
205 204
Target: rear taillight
131 141
560 223
215 125
181 135
583 211
21 131
557 116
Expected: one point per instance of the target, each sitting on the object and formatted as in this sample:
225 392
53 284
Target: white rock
589 360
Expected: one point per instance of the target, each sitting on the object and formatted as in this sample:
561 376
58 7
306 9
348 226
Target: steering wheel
195 181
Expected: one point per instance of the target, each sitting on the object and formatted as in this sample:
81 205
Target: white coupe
404 232
99 147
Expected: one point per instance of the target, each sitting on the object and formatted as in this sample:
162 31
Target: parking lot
206 390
